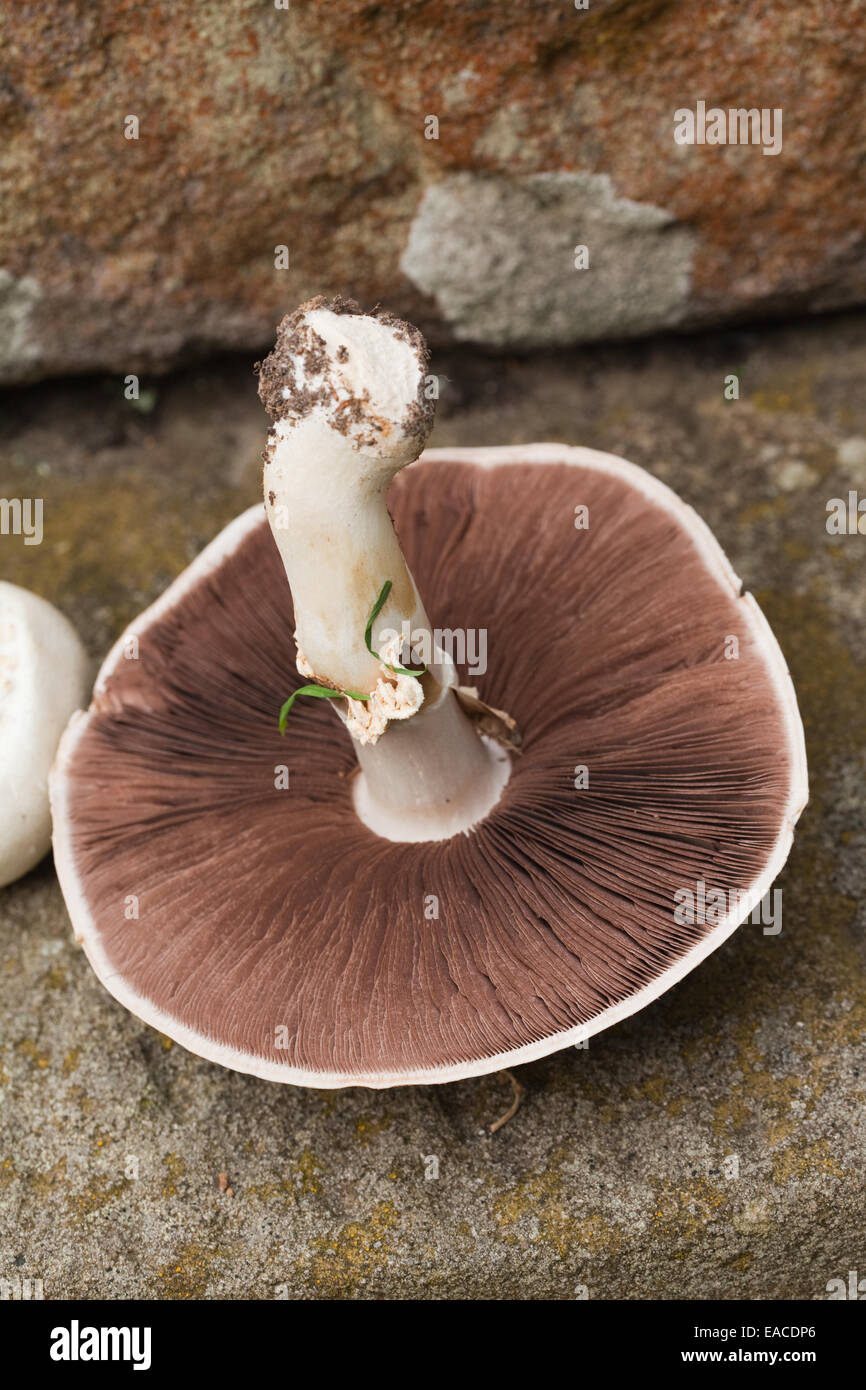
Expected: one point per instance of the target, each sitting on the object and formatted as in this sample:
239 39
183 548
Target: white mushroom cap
44 676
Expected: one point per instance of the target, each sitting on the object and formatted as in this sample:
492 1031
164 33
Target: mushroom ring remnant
275 933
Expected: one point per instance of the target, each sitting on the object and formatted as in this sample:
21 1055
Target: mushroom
44 673
397 895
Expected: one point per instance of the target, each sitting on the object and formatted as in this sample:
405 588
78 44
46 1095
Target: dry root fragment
519 1091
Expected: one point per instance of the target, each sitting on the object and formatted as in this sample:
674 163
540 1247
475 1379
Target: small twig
519 1091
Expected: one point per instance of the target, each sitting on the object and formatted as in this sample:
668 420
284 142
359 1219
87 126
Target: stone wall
307 128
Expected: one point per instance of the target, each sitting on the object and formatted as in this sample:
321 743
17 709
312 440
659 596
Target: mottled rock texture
305 128
710 1146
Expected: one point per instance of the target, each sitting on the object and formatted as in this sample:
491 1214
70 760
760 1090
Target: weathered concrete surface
306 127
613 1175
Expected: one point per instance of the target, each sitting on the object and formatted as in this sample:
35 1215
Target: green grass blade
320 692
368 634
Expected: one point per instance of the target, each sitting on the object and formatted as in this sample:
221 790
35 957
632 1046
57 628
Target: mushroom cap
278 935
44 675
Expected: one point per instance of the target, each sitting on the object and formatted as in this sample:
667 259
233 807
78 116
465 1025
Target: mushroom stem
346 392
338 546
430 777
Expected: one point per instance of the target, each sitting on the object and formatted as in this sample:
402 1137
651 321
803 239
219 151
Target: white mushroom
271 931
44 676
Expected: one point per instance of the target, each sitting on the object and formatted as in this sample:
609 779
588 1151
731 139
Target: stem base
429 778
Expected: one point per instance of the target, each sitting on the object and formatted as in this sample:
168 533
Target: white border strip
224 545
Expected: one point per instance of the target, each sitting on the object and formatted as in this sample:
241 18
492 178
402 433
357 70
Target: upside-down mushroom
402 894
